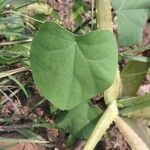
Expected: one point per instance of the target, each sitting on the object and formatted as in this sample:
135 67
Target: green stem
104 22
104 122
103 15
133 139
115 90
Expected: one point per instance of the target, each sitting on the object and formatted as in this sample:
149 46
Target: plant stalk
103 15
133 139
104 22
104 122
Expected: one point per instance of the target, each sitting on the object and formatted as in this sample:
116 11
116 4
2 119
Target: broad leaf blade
132 77
80 120
70 69
132 101
131 18
136 106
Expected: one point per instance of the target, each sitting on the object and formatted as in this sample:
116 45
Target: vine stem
104 122
104 22
103 15
133 139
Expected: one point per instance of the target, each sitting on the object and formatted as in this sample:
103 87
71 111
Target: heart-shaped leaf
131 18
132 77
69 69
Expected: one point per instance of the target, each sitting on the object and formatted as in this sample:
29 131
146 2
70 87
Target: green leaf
13 27
19 84
30 135
131 18
79 121
134 132
136 107
132 77
137 58
20 3
14 54
132 101
3 3
78 9
71 141
69 69
138 111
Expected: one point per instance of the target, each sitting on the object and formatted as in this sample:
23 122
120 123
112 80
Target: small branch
104 22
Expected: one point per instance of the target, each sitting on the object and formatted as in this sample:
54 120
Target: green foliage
13 54
19 84
137 58
136 106
132 76
79 121
131 18
12 27
30 135
69 69
3 3
131 101
78 9
15 3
